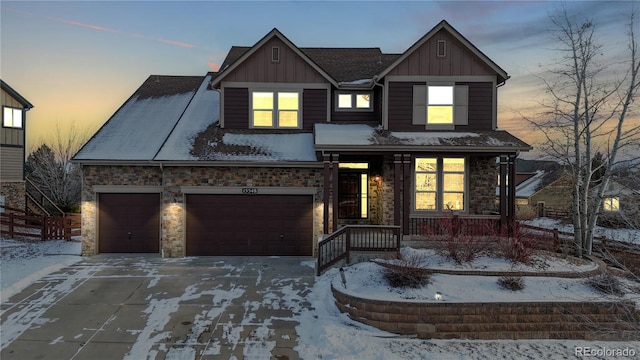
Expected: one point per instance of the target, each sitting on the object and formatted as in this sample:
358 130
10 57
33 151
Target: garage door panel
129 223
249 225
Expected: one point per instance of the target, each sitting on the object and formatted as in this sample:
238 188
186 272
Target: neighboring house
285 144
554 200
620 205
526 186
12 147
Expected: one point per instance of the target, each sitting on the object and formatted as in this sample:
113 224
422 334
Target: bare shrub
464 249
513 283
408 271
516 245
526 213
606 283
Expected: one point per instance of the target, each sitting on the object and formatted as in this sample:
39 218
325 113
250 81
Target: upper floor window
12 117
354 101
440 105
272 109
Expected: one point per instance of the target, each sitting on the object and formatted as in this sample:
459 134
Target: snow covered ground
324 332
24 262
626 235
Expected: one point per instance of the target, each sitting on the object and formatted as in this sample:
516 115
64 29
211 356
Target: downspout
385 124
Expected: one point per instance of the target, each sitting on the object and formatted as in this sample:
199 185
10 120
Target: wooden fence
15 222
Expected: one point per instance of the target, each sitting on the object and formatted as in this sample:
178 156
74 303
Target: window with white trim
273 109
12 117
611 204
438 105
354 101
440 184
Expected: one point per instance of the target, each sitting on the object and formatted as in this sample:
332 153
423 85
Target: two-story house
12 147
286 143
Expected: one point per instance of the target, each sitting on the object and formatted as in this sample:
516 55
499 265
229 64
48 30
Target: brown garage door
235 225
129 223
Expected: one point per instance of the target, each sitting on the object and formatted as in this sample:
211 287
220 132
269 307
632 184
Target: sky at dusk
77 61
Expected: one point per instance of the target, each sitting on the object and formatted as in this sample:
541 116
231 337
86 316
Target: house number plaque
250 191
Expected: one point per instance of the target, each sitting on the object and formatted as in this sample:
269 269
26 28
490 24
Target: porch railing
338 245
473 225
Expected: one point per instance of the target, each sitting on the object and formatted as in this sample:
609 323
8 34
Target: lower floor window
439 184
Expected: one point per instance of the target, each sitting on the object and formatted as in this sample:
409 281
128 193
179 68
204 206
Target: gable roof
344 67
139 128
446 26
27 105
231 64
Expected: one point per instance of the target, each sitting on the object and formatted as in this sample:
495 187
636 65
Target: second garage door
237 225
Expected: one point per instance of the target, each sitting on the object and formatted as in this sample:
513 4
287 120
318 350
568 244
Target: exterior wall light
438 295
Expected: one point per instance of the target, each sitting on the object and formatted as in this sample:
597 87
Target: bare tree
587 109
49 167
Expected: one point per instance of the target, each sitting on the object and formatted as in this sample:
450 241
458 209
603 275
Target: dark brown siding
129 223
314 107
242 225
480 107
236 108
374 116
290 69
401 106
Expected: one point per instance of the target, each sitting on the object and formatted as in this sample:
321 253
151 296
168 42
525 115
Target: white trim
353 94
248 190
127 189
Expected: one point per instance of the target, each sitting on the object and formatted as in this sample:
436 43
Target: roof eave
25 103
419 148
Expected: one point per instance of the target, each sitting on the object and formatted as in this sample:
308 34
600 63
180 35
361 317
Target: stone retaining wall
604 320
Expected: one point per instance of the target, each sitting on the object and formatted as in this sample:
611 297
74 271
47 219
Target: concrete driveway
146 307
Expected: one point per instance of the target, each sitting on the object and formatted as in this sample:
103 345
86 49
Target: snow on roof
137 130
349 135
202 111
352 134
268 147
529 186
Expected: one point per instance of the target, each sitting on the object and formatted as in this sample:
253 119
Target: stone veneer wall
14 194
172 178
112 176
483 179
604 320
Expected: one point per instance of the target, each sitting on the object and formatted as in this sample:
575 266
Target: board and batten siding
8 135
458 60
12 168
259 67
480 110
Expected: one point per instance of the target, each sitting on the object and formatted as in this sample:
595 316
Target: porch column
334 175
326 192
503 190
397 188
407 191
512 188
